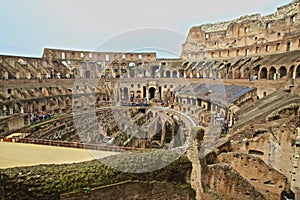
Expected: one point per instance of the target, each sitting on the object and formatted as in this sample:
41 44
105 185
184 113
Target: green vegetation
49 181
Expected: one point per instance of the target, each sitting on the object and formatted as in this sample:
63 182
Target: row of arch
257 72
281 72
124 71
41 105
52 103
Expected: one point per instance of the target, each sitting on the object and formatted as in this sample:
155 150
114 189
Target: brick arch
83 65
17 108
255 70
263 73
291 71
52 102
55 63
87 74
272 73
92 66
60 102
98 99
83 68
124 66
153 71
298 72
68 101
283 72
222 75
194 73
174 74
168 74
138 93
237 74
246 73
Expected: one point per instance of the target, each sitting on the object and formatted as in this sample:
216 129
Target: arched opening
107 73
125 93
263 73
181 73
255 72
151 93
298 72
168 74
87 74
139 73
92 66
61 103
68 101
83 65
194 73
55 63
139 94
237 74
247 73
154 70
174 74
282 72
291 71
98 100
272 73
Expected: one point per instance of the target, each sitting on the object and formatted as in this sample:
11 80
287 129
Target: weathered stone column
193 155
163 135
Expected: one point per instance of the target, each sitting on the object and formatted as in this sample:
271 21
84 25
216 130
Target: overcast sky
28 26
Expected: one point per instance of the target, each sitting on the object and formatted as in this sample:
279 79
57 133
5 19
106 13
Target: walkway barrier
78 145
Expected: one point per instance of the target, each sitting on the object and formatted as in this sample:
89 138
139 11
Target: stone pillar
4 110
163 136
11 110
157 95
294 73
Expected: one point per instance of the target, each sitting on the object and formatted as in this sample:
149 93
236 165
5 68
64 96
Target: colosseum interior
232 101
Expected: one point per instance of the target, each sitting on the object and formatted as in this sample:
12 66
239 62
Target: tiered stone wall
248 35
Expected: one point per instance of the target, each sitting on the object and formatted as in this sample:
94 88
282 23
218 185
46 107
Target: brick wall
134 190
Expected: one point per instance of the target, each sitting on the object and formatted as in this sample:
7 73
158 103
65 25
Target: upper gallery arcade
251 47
246 36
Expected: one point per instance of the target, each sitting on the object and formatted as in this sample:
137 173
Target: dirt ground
17 154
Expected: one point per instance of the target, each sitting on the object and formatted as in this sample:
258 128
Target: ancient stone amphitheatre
219 122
